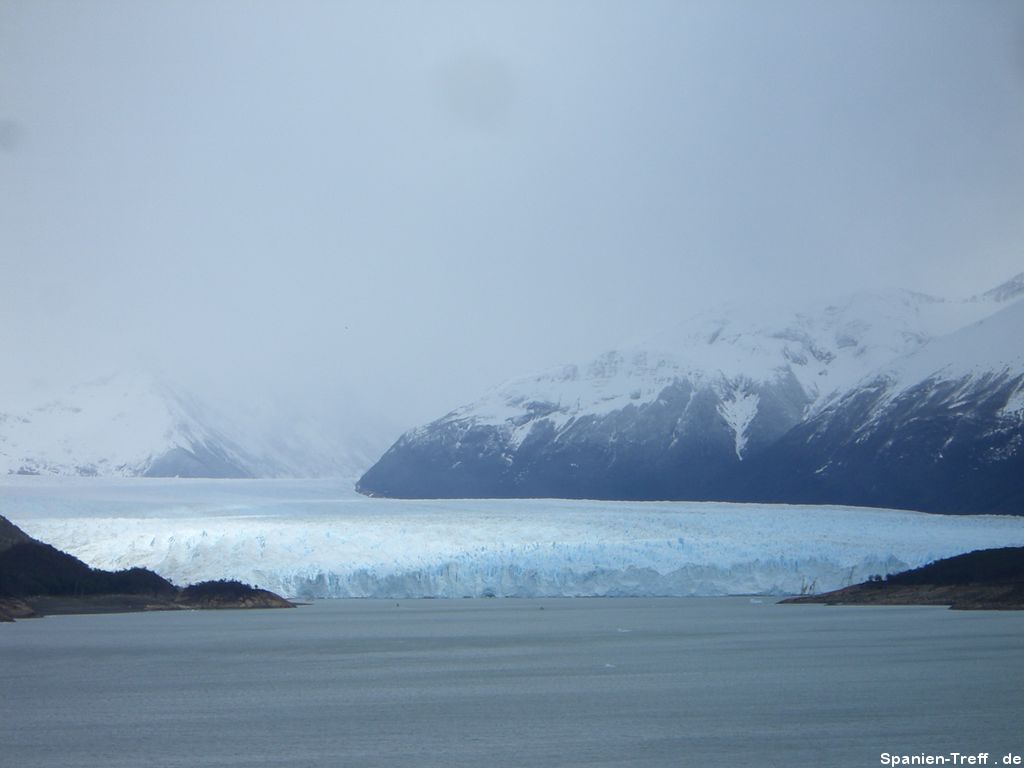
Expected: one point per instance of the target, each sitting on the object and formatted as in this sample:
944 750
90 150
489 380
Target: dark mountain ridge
36 578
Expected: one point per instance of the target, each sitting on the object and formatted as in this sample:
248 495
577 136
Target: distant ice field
317 538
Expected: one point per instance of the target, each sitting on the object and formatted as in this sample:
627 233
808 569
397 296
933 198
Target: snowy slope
314 539
136 423
993 346
675 417
828 350
939 429
122 425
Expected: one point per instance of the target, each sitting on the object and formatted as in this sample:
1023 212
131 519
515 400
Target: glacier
319 539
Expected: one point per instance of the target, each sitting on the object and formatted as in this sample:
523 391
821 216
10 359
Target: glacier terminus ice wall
317 539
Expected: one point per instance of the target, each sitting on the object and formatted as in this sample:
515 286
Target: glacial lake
511 682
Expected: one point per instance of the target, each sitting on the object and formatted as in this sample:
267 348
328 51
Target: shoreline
40 606
989 579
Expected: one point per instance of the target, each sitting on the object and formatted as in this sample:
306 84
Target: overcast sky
410 202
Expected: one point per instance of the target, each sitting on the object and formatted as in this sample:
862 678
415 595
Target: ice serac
723 407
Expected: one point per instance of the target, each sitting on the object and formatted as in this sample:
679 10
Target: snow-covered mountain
136 424
692 413
941 428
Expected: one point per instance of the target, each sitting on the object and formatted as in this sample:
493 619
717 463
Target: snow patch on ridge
739 411
1014 407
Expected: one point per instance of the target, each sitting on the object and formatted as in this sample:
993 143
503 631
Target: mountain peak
1011 289
137 422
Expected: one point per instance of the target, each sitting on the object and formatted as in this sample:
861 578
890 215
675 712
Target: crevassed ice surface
315 538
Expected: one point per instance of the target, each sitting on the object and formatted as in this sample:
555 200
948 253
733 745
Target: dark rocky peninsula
37 579
987 579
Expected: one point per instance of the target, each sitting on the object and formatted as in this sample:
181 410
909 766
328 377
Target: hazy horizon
388 208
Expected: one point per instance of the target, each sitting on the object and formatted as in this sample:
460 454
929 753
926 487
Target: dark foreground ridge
37 579
986 579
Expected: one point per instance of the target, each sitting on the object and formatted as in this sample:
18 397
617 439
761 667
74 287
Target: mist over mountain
899 399
136 423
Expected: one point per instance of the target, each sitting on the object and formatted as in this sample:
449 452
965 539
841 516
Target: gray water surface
561 682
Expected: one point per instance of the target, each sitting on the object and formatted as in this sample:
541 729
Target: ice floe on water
318 539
